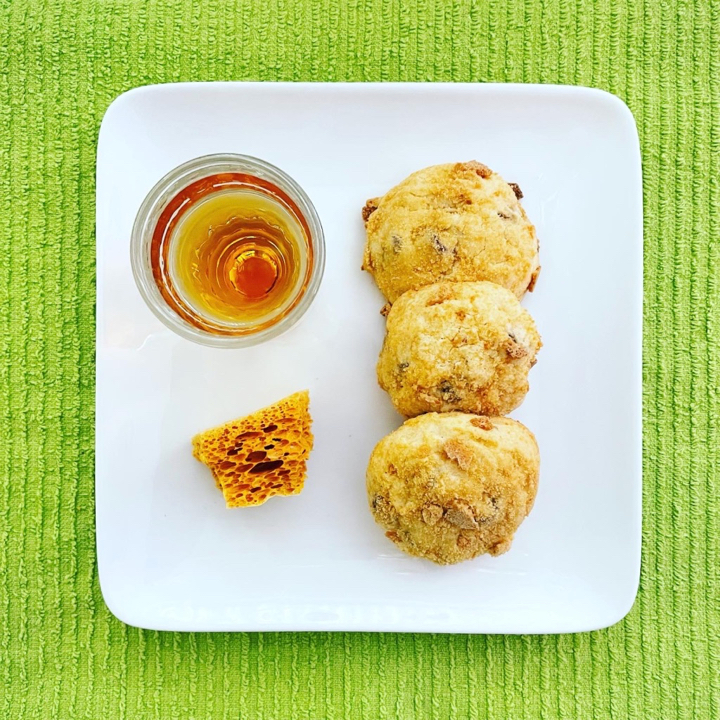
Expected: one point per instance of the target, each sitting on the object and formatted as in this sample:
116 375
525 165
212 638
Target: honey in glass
231 253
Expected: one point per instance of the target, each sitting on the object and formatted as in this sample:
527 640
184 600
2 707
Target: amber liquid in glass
233 250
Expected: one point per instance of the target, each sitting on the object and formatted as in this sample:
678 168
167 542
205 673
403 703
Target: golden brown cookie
449 487
459 221
458 346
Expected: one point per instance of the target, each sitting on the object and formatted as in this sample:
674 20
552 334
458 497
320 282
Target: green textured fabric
62 655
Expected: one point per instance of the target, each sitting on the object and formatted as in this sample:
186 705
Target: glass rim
167 188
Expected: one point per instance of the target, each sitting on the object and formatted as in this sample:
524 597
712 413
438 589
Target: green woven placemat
62 655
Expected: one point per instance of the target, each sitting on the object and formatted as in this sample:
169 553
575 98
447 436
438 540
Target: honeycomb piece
261 455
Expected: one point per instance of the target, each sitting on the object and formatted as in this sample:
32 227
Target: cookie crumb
482 170
482 422
458 452
514 349
370 207
516 189
533 279
384 511
461 515
431 514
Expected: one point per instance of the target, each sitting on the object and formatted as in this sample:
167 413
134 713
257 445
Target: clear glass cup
170 309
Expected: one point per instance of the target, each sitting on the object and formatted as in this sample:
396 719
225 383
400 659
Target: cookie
457 222
449 487
465 346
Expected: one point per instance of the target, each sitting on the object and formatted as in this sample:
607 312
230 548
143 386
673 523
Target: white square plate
171 556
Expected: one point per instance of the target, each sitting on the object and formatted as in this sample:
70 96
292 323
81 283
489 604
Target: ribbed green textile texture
62 655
